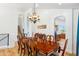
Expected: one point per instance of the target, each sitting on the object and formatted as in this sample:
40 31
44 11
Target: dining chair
19 43
61 50
60 36
44 36
32 48
18 37
23 47
50 37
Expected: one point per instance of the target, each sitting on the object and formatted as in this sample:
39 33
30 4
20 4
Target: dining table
47 47
43 46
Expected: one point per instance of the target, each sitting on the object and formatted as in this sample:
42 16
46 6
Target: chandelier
34 17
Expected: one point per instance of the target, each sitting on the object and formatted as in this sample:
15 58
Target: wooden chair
19 37
36 35
61 51
19 44
43 36
60 36
23 46
32 48
50 37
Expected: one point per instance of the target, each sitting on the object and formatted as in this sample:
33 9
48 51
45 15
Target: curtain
77 51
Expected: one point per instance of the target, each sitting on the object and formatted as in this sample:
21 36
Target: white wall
9 22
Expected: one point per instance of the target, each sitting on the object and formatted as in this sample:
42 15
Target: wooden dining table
47 47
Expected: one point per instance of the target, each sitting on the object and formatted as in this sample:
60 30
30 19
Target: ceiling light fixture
34 17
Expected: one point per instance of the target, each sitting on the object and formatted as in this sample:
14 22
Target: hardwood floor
9 52
14 52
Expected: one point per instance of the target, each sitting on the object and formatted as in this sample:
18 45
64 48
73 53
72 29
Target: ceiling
26 6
